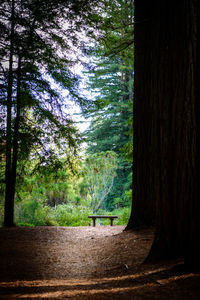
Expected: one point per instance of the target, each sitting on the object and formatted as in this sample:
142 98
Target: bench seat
102 217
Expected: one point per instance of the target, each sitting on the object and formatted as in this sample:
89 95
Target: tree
32 39
145 145
166 143
111 84
48 184
110 112
99 174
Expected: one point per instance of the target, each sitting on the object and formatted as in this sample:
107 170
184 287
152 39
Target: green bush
123 214
68 215
36 214
23 224
33 213
25 211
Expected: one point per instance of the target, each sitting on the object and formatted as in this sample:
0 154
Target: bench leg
111 222
94 222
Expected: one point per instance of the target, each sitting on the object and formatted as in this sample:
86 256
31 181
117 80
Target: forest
97 56
99 115
53 172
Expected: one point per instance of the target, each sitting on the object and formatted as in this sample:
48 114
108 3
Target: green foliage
48 185
50 197
73 215
125 201
23 224
36 60
33 213
99 174
110 81
124 214
37 197
38 37
53 187
111 126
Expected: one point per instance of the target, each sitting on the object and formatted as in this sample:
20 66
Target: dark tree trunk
16 133
176 127
9 205
144 154
193 248
166 126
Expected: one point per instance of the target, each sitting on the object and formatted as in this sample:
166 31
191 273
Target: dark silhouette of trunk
177 132
144 155
9 205
192 258
167 126
16 133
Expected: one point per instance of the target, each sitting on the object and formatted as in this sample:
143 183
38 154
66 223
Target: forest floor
88 263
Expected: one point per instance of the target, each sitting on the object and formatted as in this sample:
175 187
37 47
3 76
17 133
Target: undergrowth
34 213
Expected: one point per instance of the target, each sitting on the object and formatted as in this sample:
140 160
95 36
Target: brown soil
87 263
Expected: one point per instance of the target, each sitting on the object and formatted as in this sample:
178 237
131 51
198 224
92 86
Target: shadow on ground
87 263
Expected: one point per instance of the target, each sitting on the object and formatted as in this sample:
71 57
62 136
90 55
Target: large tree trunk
176 130
192 256
16 134
9 205
166 126
144 154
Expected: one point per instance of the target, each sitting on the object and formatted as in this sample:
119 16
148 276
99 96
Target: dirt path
86 263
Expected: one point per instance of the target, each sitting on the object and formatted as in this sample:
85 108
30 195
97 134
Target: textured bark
144 155
192 256
167 125
176 128
16 135
9 205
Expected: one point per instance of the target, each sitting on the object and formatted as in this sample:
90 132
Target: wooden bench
102 217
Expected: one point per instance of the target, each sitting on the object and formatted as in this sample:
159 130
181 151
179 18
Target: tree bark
9 205
16 133
176 128
144 154
193 248
166 126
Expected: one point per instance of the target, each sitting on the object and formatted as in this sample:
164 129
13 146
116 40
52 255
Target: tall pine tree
36 42
111 83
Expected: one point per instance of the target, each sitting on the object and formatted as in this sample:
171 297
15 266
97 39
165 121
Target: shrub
36 214
23 224
72 215
123 214
32 213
